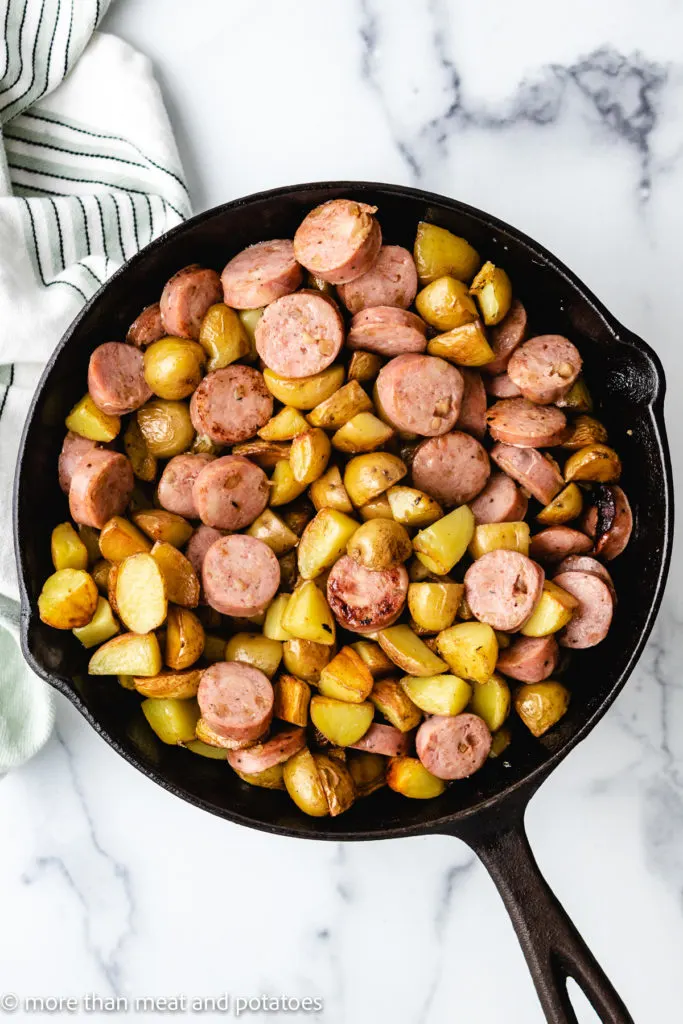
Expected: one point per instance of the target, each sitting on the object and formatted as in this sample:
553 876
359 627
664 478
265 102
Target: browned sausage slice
501 501
584 563
504 339
384 739
612 519
274 751
453 747
521 423
230 492
545 367
420 394
537 473
101 486
240 575
391 281
196 548
501 386
236 700
530 659
557 542
73 450
301 334
116 378
147 327
230 405
186 298
388 331
502 589
590 622
364 600
260 274
339 240
472 416
175 486
452 468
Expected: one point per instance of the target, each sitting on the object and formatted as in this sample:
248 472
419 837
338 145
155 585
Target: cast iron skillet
487 811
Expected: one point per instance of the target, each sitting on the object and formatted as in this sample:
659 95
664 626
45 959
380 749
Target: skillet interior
624 377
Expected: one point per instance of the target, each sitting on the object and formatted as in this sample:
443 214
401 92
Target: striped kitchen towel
89 173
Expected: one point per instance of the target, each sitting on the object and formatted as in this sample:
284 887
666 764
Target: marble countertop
563 119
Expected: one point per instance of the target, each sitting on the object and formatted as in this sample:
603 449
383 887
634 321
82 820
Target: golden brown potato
364 366
584 431
178 685
223 337
328 491
346 677
302 781
438 695
174 721
265 454
213 739
305 659
103 626
173 367
434 606
339 721
392 701
541 705
363 433
68 599
465 346
493 291
446 303
91 539
438 252
494 536
304 392
368 476
408 776
203 445
500 741
255 649
86 420
249 319
127 655
100 573
340 407
367 770
127 682
309 455
491 701
380 544
596 462
308 615
182 584
471 650
269 778
409 652
111 585
553 611
166 427
320 285
119 539
324 541
204 750
184 638
567 505
337 783
578 398
165 527
441 545
292 697
283 487
284 426
67 549
376 508
269 528
288 570
375 658
411 507
141 601
143 462
298 514
272 626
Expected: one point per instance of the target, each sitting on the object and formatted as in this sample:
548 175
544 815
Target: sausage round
236 700
420 394
614 540
453 747
195 551
116 378
388 331
505 337
545 367
186 298
592 618
266 755
339 240
175 486
230 492
530 659
73 450
230 405
584 563
301 334
502 589
260 274
240 575
472 416
452 468
501 386
557 542
365 600
537 473
521 423
391 281
101 486
147 327
384 739
501 501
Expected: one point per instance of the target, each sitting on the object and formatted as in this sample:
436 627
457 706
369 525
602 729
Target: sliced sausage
101 486
472 416
391 281
452 468
365 600
420 394
196 548
274 751
502 589
453 747
236 700
116 378
388 331
557 542
584 563
519 422
505 337
384 739
240 575
301 334
230 405
614 530
73 450
537 473
175 486
530 659
592 618
339 240
186 298
230 492
501 501
260 274
147 327
545 367
501 386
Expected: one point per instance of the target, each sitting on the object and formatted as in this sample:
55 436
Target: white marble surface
564 119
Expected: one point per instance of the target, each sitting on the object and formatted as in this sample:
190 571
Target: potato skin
541 705
68 599
380 544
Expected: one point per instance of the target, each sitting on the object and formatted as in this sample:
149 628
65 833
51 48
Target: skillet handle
553 948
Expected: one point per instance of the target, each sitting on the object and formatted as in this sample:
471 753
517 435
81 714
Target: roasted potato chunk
392 701
337 783
491 701
368 771
578 398
119 539
68 599
363 433
376 508
368 476
340 722
127 655
584 431
283 487
553 611
100 573
255 649
411 507
91 539
141 602
204 750
500 741
308 615
269 528
265 454
165 527
284 426
174 721
375 658
493 536
439 252
302 781
184 638
328 491
269 778
596 462
288 571
143 462
176 685
86 420
364 366
567 505
305 659
272 626
213 739
380 544
433 606
103 626
166 427
541 705
409 652
223 337
346 677
446 303
309 455
409 777
340 407
182 584
249 319
493 292
173 367
304 392
324 541
438 695
67 549
441 545
465 346
471 650
292 697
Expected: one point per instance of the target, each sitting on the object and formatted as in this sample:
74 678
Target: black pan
487 811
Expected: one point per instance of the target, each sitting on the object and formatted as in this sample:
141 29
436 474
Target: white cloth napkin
89 173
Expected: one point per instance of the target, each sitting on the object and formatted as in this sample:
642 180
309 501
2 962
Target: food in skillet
318 524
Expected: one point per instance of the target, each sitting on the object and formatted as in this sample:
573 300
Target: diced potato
68 599
203 445
441 545
103 626
500 741
292 697
340 407
111 585
86 420
446 303
363 433
340 722
596 462
269 528
141 602
249 319
269 778
337 783
465 346
173 367
284 426
283 487
178 685
368 476
165 527
223 336
213 739
309 455
380 544
364 366
410 653
374 657
584 431
119 539
376 508
346 677
493 290
288 571
328 491
541 705
438 252
409 777
255 649
563 508
305 659
273 628
298 514
302 781
493 536
265 454
471 650
433 606
127 682
578 398
491 701
174 721
411 507
127 655
304 392
392 701
438 695
464 611
553 611
166 427
67 549
91 539
308 615
184 638
367 770
100 573
143 462
204 750
324 541
214 648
